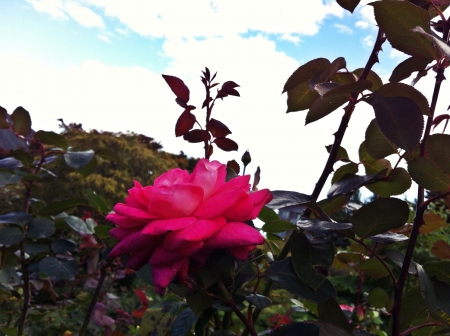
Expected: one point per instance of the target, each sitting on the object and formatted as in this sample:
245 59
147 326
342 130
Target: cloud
343 29
62 9
398 55
200 18
368 41
104 38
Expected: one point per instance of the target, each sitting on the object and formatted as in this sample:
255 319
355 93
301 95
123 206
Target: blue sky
99 63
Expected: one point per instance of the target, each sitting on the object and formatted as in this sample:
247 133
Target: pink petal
134 213
209 176
260 198
217 204
241 253
174 176
141 195
241 211
125 222
162 256
240 182
121 233
202 256
163 275
180 200
197 232
135 242
161 226
234 234
139 258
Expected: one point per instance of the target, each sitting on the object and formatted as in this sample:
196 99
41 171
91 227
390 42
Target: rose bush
178 222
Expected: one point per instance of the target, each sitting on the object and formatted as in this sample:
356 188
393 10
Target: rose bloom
180 220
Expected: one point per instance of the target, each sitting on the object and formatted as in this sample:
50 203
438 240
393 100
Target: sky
99 63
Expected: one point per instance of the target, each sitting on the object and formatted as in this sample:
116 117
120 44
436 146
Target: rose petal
134 213
180 200
163 275
260 198
217 204
134 242
240 182
139 258
174 176
234 234
241 211
197 232
241 253
126 222
209 176
162 256
121 233
161 226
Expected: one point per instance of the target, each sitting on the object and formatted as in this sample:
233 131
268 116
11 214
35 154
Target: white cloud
104 38
343 29
367 17
398 55
62 9
368 41
121 31
362 24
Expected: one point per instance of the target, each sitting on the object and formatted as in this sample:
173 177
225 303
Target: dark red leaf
207 73
228 89
217 128
226 144
181 102
213 85
439 119
184 123
142 297
210 150
178 87
234 165
197 136
256 179
206 102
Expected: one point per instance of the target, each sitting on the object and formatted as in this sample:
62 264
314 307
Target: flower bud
246 158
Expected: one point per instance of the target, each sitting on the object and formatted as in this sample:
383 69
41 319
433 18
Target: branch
410 330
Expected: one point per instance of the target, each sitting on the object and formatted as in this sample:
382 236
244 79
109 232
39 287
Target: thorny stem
87 317
339 135
422 206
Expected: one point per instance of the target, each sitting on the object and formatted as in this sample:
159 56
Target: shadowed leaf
10 235
372 77
398 257
331 312
58 269
78 159
22 121
377 145
321 227
226 144
437 148
427 174
178 87
184 123
52 138
407 67
195 136
349 5
397 182
388 238
349 183
284 198
259 301
217 129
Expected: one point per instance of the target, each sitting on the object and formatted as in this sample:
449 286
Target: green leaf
199 301
428 175
398 257
24 157
321 227
333 205
397 182
283 273
58 269
400 120
78 225
397 19
89 168
300 97
8 178
60 206
40 228
324 76
97 202
302 261
440 45
52 138
349 5
22 121
333 99
278 226
34 248
158 320
403 90
407 67
62 246
442 292
20 218
373 268
259 301
350 168
284 198
438 269
10 235
268 215
426 288
102 230
341 155
78 159
372 77
413 306
349 183
378 298
380 216
183 322
331 312
377 145
349 257
437 146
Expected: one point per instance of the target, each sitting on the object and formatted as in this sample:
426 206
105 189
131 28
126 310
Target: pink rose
184 217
